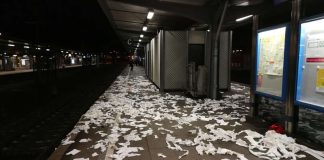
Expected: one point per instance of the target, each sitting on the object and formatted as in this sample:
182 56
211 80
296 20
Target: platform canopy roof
128 17
102 25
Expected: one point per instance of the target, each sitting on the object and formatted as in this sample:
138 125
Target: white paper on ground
133 103
73 152
67 141
185 154
161 155
81 159
94 154
84 140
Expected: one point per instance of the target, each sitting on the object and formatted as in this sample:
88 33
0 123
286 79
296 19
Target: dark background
70 24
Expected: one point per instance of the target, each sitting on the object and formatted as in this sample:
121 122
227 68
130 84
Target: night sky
70 24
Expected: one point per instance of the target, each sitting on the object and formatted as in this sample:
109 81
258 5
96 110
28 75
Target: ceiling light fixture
243 4
140 40
141 35
144 28
11 45
150 14
243 18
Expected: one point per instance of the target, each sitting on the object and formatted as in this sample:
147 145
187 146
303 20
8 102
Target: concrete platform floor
133 120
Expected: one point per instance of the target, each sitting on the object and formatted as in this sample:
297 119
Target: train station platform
133 120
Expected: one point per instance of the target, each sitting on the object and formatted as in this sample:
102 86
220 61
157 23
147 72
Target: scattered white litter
185 154
236 124
67 141
94 154
243 119
124 130
161 155
277 146
85 140
163 129
133 136
102 134
73 152
242 143
81 159
147 132
229 152
126 151
192 131
101 144
132 105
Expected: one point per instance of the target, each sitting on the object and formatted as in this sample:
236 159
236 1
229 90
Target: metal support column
215 30
290 110
253 97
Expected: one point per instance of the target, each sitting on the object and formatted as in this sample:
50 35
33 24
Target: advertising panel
310 75
271 57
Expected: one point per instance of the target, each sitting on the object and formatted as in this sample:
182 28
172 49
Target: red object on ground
278 128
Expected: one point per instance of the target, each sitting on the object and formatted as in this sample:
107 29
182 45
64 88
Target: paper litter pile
133 109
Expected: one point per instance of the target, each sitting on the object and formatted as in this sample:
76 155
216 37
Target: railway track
36 134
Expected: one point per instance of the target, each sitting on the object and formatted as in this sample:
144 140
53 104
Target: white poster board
310 79
270 61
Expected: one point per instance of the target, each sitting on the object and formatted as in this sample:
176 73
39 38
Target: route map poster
270 61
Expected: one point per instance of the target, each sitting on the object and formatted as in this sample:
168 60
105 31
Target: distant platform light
243 18
144 28
14 55
48 50
38 48
140 40
11 45
150 14
141 35
208 30
26 47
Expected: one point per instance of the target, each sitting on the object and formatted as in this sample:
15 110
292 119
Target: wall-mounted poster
310 76
271 51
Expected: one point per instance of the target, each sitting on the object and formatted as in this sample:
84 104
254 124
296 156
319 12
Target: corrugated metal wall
146 48
152 58
197 37
156 64
167 56
225 49
175 54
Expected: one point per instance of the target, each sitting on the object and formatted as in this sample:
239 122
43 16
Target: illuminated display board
310 74
271 62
